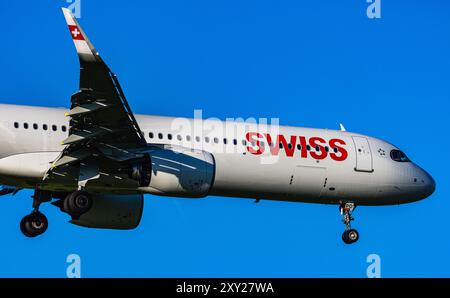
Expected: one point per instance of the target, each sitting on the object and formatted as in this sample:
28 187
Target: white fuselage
359 169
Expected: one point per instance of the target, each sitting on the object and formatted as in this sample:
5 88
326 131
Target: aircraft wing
101 121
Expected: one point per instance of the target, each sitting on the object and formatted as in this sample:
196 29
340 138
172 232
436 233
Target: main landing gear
77 203
350 235
36 223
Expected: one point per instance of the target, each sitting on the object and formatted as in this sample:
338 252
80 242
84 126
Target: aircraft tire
34 224
350 236
77 203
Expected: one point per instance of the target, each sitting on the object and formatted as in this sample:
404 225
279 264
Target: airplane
97 160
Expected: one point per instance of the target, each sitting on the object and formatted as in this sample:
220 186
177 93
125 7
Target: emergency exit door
364 161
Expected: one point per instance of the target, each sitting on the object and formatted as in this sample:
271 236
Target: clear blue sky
310 63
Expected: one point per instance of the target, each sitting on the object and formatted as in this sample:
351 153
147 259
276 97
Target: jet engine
180 172
119 212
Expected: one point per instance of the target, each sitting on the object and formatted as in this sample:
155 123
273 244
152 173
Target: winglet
342 127
85 49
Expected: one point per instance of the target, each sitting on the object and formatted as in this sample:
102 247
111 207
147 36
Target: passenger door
363 155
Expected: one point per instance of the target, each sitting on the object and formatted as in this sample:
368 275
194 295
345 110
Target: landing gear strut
350 235
36 223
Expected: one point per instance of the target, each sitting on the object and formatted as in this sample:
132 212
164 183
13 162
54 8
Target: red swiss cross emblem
75 32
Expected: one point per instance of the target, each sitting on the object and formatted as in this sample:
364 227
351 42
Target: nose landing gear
350 235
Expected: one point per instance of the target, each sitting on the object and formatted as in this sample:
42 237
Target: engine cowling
119 212
180 172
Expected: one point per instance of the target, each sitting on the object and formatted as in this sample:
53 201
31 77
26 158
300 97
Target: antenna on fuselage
342 127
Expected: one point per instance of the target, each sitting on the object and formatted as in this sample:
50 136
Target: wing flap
72 157
87 108
86 134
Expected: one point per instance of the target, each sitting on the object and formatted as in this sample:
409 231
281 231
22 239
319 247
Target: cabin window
327 149
64 128
188 138
160 136
290 146
207 139
54 127
151 135
16 124
179 137
225 141
197 139
335 149
25 125
234 142
281 145
308 147
299 147
169 136
244 142
35 126
216 140
44 126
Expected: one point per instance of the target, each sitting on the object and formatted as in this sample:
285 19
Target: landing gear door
363 155
307 182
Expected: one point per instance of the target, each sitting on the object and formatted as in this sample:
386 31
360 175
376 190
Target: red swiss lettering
289 148
318 149
304 150
253 138
343 154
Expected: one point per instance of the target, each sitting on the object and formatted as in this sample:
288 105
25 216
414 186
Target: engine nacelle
180 172
119 212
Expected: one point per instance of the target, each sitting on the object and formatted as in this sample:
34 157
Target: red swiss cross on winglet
75 32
